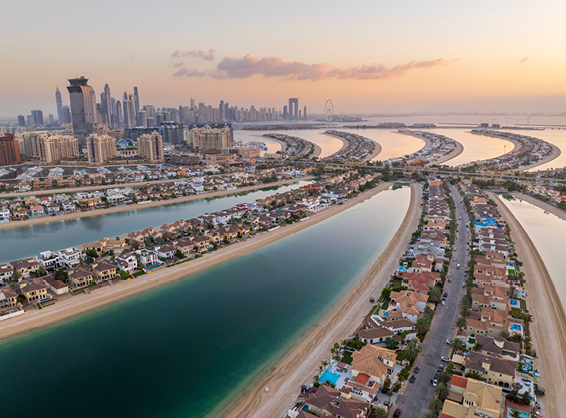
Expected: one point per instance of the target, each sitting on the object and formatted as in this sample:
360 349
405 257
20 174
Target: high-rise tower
293 109
83 113
108 105
136 101
59 102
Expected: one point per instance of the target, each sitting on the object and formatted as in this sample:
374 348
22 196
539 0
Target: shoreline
377 150
126 208
122 289
344 143
302 360
459 148
556 152
66 190
549 317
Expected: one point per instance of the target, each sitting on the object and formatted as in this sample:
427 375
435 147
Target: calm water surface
181 349
476 147
17 243
547 231
393 144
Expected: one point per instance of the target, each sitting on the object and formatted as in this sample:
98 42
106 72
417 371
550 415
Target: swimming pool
329 376
514 302
516 327
523 414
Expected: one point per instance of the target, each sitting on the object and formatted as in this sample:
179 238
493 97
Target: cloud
250 66
524 60
179 64
195 53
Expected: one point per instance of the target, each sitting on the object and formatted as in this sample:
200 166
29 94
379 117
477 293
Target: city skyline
443 57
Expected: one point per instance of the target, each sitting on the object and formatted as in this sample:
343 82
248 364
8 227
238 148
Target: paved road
417 396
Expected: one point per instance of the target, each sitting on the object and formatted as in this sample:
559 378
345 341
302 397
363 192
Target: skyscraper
67 114
293 109
151 147
9 150
142 118
21 120
37 116
59 102
136 101
119 114
108 105
305 113
82 109
129 120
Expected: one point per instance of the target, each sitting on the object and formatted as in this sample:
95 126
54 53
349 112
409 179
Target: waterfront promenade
549 317
123 289
125 208
298 367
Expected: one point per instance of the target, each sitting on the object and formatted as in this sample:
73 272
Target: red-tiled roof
459 381
362 378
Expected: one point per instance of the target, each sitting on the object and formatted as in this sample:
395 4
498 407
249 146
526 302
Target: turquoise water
17 243
329 376
181 349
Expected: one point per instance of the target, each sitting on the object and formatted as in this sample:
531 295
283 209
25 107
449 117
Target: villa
332 402
34 292
8 298
493 368
80 278
469 397
371 366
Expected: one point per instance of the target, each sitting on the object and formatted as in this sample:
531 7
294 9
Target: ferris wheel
329 110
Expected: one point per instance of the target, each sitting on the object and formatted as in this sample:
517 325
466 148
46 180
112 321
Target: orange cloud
250 65
523 60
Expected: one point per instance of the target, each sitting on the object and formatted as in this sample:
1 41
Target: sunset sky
371 56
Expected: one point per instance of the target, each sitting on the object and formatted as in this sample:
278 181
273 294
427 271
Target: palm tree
389 395
515 413
444 378
458 344
428 311
413 349
380 413
431 415
434 295
435 406
461 323
423 325
442 391
390 343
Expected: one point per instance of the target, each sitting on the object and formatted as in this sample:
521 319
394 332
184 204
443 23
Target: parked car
412 379
440 368
397 413
443 302
417 369
445 295
448 341
444 358
434 382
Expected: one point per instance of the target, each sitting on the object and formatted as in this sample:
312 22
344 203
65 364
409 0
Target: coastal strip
302 362
125 288
553 156
84 188
459 149
549 322
126 208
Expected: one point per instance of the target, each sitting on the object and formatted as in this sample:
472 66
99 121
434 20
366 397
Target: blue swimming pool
523 414
515 327
331 377
514 302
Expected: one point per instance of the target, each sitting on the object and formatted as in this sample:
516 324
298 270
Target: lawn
347 357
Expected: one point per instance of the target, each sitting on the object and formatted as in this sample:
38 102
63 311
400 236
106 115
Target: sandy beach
301 363
122 289
549 324
376 151
553 155
125 208
459 149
